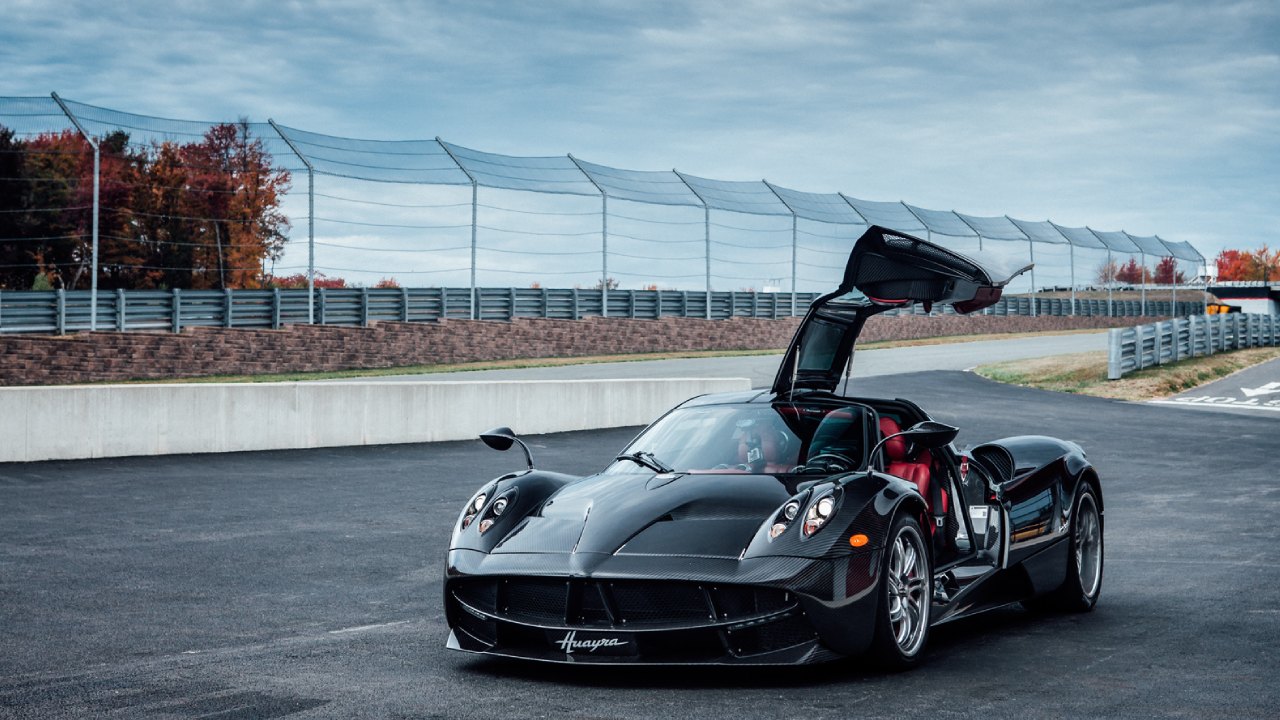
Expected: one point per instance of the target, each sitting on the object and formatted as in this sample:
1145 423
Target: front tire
906 595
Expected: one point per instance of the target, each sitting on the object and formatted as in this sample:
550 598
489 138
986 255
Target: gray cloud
1152 117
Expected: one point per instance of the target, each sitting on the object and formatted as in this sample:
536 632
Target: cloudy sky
1152 117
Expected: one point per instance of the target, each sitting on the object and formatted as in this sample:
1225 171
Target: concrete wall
66 422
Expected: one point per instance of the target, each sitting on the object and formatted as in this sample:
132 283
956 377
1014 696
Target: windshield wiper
646 459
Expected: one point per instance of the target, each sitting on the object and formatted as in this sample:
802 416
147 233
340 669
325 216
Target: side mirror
502 438
930 434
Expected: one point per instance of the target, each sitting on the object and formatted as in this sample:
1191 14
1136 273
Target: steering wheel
831 462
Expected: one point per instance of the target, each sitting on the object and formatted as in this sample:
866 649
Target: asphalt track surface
307 584
762 368
1252 391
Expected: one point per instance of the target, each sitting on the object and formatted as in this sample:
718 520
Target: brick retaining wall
110 356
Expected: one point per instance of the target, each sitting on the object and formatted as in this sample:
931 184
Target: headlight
475 505
499 506
782 520
818 515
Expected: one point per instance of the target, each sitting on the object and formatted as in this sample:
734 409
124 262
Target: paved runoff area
306 584
1252 391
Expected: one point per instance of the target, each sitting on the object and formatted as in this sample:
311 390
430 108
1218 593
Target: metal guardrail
64 311
1143 346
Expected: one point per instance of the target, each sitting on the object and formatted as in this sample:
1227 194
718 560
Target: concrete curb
93 421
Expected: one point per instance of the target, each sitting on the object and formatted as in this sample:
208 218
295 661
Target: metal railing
1143 346
65 311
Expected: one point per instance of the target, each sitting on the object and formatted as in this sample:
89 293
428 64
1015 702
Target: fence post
1113 354
575 303
404 304
324 305
176 307
1159 342
511 304
631 304
657 311
121 301
275 309
60 306
364 307
226 307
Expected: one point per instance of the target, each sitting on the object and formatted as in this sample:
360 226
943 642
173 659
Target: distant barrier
1143 346
62 311
91 421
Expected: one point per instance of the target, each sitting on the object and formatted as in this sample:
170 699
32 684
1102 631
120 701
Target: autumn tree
1261 264
1233 265
1131 273
1265 264
1167 272
13 255
203 214
235 198
1106 272
53 234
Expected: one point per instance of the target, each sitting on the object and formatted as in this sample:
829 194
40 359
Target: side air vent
996 460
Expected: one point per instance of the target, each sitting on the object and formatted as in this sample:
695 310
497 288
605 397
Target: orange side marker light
858 540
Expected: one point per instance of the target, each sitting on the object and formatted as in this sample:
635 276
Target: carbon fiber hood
704 515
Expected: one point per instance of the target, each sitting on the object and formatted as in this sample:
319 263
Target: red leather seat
917 469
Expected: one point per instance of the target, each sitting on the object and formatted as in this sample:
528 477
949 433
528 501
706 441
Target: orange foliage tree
1131 272
1260 264
204 214
1167 272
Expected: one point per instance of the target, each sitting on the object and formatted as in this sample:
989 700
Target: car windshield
746 438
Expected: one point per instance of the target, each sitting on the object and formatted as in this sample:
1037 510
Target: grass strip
1086 373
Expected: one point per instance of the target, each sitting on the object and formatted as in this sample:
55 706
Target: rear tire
1080 591
906 597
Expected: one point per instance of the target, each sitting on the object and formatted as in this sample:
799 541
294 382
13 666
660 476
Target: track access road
762 368
306 584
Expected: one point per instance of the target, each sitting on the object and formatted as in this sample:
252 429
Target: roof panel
1183 251
1150 245
998 228
405 161
1084 237
822 207
752 197
942 222
1112 239
662 187
556 174
892 215
31 116
1043 231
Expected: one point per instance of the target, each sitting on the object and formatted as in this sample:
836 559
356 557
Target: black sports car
781 526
